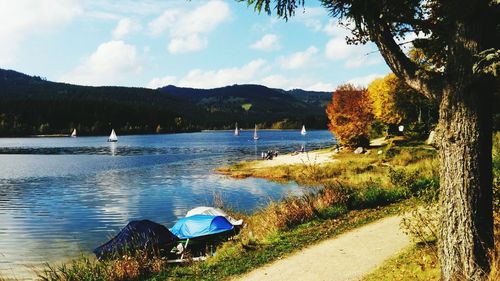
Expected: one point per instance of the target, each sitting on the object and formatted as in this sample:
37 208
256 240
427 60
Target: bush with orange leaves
349 115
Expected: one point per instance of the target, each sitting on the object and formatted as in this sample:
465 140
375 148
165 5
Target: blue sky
196 43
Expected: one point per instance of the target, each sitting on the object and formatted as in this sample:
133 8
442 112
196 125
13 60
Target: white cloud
310 17
108 65
335 29
124 27
361 60
255 72
112 9
321 86
21 19
162 82
198 78
164 22
269 42
287 83
275 81
298 59
363 81
337 49
190 28
191 43
353 56
203 19
218 78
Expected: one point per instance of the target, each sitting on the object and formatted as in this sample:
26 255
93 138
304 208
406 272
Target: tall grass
139 265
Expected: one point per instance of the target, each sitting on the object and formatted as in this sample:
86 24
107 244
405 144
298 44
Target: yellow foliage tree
382 93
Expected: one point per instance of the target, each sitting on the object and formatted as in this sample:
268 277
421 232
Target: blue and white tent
200 225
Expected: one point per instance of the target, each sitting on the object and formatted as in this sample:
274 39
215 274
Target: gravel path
346 257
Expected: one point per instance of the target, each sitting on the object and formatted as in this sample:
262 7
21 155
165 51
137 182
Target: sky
200 44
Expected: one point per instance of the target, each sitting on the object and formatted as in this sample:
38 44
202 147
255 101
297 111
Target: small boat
236 130
113 137
211 211
303 131
255 136
73 135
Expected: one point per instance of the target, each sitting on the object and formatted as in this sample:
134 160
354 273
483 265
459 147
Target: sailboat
113 137
303 131
73 135
236 131
255 136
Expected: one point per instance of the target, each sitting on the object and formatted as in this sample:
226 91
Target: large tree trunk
465 131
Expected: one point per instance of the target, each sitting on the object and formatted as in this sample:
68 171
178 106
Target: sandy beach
312 157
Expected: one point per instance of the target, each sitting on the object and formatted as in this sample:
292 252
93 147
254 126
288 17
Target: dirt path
347 257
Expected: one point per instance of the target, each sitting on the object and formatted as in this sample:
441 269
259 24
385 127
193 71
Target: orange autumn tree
350 115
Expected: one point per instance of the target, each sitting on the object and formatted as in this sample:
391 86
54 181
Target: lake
63 196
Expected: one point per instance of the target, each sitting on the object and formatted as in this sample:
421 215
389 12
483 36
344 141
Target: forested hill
31 105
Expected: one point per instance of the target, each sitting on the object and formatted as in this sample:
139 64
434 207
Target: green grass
343 195
352 169
246 106
419 262
236 258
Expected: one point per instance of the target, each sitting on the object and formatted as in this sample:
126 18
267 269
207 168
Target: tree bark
465 133
465 142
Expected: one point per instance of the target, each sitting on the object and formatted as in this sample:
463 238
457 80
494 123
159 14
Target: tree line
34 106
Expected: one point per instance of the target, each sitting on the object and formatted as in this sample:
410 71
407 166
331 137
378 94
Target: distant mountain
31 105
260 103
250 98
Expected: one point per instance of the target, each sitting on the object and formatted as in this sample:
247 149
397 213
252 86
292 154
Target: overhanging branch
426 82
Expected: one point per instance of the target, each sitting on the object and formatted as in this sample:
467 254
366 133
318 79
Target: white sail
255 136
303 132
73 135
236 130
112 136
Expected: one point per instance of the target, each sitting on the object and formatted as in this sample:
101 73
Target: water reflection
60 196
112 148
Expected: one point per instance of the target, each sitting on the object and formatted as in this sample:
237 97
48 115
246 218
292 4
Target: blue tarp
200 225
138 235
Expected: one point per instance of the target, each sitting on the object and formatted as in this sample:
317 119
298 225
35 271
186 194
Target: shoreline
147 133
291 166
348 191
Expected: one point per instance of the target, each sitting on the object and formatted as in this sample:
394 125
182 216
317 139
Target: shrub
422 224
412 184
404 158
374 197
333 212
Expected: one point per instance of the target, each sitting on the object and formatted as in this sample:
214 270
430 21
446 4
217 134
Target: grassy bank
233 259
415 160
339 196
420 262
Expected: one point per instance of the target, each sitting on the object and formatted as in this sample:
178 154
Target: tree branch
427 82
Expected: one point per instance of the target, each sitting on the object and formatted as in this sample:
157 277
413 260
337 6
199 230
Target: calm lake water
63 196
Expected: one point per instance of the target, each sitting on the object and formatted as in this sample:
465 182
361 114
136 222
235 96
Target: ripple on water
61 196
